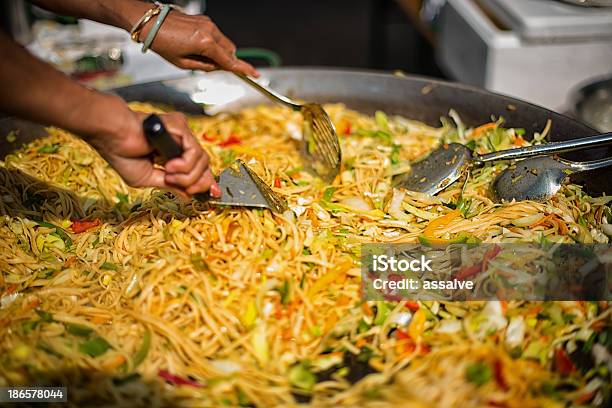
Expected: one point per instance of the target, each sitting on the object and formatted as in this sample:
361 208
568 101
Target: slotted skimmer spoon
539 178
320 147
240 186
447 163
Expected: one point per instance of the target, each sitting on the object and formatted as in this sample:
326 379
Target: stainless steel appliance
537 50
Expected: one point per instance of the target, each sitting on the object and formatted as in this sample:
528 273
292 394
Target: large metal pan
592 103
366 91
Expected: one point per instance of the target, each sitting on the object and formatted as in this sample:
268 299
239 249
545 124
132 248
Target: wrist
146 28
104 117
126 15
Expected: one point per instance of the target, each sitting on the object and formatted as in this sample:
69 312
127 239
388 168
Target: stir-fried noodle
133 297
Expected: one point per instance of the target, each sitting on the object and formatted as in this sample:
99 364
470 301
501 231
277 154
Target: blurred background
553 53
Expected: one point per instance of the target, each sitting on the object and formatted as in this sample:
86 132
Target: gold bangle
135 32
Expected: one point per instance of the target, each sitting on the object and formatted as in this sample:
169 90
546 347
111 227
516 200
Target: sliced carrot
439 222
114 362
231 227
99 319
504 306
331 322
534 310
208 138
563 230
337 274
344 300
483 128
554 221
10 289
70 261
599 325
286 334
367 309
313 217
33 304
436 242
541 221
278 312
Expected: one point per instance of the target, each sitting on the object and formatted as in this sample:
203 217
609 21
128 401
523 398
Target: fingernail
215 190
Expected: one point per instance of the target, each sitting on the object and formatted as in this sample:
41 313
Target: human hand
195 42
129 153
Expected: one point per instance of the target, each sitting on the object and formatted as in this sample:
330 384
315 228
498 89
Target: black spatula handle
165 145
158 136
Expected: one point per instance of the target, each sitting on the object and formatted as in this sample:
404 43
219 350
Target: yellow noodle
234 299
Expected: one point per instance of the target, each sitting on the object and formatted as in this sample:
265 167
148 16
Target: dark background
349 33
376 34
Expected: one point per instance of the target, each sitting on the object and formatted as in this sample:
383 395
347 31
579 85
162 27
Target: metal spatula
446 164
239 185
320 146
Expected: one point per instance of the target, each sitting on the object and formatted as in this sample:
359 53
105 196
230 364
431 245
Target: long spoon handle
274 96
591 165
548 148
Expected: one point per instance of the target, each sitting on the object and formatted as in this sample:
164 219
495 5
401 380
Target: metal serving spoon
539 178
320 146
446 164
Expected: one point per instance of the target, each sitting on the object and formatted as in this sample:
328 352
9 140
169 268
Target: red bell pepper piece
230 141
563 363
79 226
176 380
402 335
469 271
412 305
348 129
498 370
584 398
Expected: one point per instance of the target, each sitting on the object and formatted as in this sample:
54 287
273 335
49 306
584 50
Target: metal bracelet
158 22
152 12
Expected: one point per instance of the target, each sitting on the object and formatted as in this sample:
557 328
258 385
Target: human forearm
35 90
189 42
